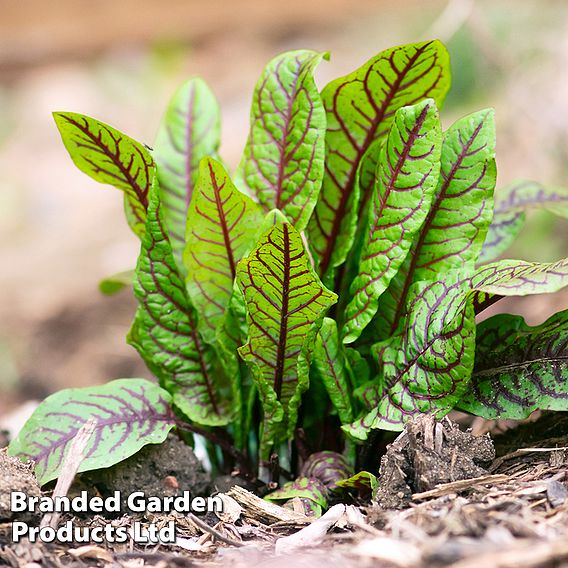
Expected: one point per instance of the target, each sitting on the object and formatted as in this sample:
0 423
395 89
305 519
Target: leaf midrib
345 193
519 366
281 352
284 158
140 192
393 177
222 219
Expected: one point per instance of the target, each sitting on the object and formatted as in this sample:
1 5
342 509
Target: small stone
556 493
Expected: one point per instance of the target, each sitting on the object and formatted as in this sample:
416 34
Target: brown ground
60 232
514 514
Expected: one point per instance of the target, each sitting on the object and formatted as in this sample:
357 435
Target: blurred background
61 233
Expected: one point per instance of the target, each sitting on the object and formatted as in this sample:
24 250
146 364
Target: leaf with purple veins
330 361
128 413
222 224
189 131
509 216
110 157
165 331
426 367
360 109
283 161
328 467
452 235
285 303
310 489
407 175
518 368
516 278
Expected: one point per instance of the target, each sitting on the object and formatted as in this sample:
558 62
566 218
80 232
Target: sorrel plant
327 289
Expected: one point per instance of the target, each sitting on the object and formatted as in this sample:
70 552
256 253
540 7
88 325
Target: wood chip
556 493
264 511
526 554
461 485
396 552
312 534
69 468
231 509
91 551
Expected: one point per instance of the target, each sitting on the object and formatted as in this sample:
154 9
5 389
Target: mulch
515 514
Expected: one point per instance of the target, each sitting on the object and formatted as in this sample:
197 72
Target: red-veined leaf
426 367
165 331
452 235
285 304
189 131
509 218
407 175
330 361
128 414
360 108
110 157
222 225
518 368
516 278
283 161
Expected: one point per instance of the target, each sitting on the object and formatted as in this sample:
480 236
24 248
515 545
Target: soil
159 470
15 476
551 430
445 501
429 453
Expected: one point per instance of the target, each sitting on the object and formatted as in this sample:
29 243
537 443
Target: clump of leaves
326 290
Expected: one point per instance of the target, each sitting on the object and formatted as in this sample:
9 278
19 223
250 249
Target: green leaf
285 303
328 467
509 218
516 278
452 235
504 229
165 331
329 360
407 175
283 161
303 488
189 131
360 109
117 282
110 157
426 368
357 366
364 482
231 335
518 368
129 414
221 228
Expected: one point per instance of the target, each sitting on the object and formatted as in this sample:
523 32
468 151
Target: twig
313 534
499 461
453 486
264 511
71 463
213 532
